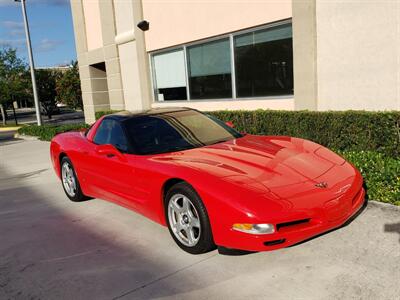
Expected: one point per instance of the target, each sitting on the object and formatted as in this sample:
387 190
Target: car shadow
51 248
233 252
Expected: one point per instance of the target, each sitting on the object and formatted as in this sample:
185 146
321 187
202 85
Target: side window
111 132
103 132
118 138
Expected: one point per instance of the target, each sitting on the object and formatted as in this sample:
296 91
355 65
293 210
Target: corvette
208 183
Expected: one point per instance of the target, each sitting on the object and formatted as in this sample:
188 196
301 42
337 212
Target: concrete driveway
51 248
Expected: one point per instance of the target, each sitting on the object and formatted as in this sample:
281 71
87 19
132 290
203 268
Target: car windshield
176 131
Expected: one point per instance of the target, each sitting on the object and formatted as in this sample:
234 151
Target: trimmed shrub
369 140
349 130
47 132
344 131
381 174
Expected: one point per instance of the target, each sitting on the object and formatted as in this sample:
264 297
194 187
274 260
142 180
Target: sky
50 23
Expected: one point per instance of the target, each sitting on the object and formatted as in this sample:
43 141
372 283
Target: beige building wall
98 57
358 54
178 22
91 10
132 55
305 55
346 54
175 22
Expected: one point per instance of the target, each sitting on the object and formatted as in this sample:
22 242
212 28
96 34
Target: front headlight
254 228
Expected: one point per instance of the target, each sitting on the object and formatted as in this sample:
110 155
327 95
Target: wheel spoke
189 235
194 222
186 205
177 227
175 207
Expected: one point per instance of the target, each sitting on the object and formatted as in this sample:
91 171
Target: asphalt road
51 248
28 116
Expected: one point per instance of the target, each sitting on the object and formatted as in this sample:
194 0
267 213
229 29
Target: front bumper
291 234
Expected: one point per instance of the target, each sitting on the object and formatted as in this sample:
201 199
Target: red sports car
210 184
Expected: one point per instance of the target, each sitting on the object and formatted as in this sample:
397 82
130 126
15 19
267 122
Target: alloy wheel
184 220
68 179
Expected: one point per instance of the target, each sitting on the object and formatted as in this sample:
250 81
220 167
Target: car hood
259 161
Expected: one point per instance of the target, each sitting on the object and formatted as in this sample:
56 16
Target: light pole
31 63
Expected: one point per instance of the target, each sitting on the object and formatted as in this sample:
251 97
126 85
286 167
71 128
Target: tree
13 81
46 86
69 88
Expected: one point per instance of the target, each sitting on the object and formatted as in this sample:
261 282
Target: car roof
125 115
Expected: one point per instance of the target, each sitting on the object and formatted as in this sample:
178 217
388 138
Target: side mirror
230 124
109 151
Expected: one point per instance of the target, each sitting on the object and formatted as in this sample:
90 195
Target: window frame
231 37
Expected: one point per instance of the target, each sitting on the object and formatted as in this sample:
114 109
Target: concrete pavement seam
162 278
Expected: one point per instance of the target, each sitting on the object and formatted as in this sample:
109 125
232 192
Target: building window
264 62
169 76
210 70
262 66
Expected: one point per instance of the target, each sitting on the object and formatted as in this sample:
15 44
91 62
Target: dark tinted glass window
118 137
111 132
264 62
176 131
210 70
103 133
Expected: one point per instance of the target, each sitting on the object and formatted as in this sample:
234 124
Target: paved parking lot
51 248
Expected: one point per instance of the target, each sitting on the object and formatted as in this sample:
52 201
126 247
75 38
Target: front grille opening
292 223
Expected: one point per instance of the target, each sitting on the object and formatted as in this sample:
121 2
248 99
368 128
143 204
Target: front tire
187 219
70 181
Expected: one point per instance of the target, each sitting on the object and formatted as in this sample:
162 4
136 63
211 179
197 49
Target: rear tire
70 181
187 219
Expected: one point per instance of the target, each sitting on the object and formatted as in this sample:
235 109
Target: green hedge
47 132
369 140
344 131
350 130
381 174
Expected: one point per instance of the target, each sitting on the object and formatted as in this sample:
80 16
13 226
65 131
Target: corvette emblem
322 185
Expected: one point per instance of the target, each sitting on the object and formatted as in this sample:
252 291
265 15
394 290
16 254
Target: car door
112 176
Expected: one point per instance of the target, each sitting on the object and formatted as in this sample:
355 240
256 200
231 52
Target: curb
26 137
383 205
8 129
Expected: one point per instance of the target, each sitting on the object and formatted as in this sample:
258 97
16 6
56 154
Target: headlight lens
254 228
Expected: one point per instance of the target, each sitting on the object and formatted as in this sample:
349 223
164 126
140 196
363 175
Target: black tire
205 241
78 195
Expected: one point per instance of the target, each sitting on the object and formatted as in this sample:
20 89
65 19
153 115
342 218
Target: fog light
254 228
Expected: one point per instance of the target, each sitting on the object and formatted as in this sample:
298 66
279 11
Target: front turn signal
254 228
